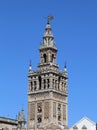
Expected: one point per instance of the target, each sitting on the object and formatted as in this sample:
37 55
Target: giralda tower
47 89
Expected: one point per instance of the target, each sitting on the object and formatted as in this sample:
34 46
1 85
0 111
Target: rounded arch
45 58
52 58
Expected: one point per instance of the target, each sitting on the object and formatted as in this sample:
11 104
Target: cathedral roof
8 120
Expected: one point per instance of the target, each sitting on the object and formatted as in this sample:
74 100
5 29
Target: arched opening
44 83
52 58
53 83
48 83
59 107
45 58
39 120
39 78
39 109
35 86
59 118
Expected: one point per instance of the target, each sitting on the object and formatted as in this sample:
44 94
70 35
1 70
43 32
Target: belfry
47 89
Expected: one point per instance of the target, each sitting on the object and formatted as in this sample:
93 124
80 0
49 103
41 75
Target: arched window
39 109
59 107
39 120
84 127
45 58
53 83
31 86
52 58
39 78
35 86
48 83
44 83
59 118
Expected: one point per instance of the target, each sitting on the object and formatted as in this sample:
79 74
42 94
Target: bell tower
47 88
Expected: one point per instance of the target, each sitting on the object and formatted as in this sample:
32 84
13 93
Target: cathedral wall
8 126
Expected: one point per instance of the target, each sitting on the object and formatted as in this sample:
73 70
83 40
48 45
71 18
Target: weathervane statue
49 18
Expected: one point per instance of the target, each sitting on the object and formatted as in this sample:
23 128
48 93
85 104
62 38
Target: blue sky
22 24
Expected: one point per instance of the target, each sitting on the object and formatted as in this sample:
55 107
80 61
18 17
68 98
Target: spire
48 38
21 116
65 71
21 120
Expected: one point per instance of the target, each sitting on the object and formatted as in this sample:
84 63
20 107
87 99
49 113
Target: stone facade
47 89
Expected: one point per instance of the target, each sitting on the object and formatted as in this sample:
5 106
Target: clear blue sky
22 24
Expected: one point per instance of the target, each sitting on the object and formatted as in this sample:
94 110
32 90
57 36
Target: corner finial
65 66
22 107
49 18
30 66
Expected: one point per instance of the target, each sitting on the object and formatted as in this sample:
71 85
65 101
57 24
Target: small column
37 84
51 81
57 84
46 84
42 83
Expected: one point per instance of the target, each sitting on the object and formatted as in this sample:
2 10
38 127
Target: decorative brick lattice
46 110
32 111
54 109
64 112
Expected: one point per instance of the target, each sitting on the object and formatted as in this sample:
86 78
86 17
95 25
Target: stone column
42 83
46 83
50 81
37 84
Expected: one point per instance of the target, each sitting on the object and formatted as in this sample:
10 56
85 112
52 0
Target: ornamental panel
46 110
64 112
54 109
32 111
